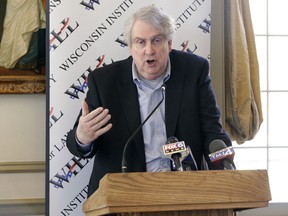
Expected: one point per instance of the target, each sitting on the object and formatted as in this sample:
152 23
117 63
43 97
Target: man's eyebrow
155 36
138 38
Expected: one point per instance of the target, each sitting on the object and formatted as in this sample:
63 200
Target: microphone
221 156
174 149
124 160
187 160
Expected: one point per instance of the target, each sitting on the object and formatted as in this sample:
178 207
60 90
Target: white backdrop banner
85 35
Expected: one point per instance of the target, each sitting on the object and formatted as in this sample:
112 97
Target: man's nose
149 49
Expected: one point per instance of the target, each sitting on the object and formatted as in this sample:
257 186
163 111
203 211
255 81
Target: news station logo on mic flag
172 148
221 154
85 35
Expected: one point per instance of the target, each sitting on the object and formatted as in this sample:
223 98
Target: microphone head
221 156
173 149
172 139
216 145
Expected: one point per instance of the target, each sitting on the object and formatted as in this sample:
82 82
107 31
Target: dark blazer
191 113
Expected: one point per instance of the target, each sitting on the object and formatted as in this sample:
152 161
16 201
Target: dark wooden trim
18 81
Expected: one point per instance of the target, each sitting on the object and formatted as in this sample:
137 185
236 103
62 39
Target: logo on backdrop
54 116
64 30
71 169
206 24
81 84
120 41
89 5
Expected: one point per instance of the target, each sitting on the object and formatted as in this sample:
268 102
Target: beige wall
22 154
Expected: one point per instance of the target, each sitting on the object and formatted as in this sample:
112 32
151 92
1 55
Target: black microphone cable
124 160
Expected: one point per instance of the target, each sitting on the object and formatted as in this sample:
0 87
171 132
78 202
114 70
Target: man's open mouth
150 61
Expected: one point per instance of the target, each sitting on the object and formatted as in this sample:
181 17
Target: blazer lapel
174 92
130 106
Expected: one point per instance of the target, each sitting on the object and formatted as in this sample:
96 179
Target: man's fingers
101 120
92 124
90 116
85 109
103 130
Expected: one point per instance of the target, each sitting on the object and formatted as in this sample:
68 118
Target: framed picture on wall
22 46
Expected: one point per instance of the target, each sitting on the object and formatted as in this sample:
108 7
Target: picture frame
17 81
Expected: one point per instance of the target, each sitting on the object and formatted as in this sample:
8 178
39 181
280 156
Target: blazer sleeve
210 116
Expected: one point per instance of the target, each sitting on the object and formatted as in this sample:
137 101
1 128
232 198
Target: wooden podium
197 193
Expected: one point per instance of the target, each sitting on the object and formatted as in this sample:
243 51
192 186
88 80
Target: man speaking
126 99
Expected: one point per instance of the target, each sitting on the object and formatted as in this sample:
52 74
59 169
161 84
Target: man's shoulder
179 55
115 65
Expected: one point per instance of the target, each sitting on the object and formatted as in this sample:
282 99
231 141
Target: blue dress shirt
154 130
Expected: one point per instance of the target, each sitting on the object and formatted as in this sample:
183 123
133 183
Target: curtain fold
243 111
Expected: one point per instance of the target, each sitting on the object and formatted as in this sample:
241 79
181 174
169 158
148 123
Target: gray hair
154 16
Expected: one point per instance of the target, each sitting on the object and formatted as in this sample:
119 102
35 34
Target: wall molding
22 167
35 206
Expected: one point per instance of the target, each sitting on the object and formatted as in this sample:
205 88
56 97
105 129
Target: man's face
150 50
